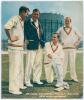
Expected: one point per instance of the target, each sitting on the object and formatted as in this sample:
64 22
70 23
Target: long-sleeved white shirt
58 55
36 25
16 25
70 39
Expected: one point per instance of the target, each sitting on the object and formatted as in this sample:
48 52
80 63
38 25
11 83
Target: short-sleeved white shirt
58 54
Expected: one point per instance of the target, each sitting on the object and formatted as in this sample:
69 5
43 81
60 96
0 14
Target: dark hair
23 9
56 34
36 10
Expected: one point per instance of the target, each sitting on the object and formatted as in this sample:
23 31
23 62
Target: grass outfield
46 90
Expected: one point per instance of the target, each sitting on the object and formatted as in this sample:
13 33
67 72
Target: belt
14 45
69 48
31 40
46 63
28 41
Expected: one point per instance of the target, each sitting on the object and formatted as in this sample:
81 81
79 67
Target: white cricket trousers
33 63
49 72
16 70
70 56
58 71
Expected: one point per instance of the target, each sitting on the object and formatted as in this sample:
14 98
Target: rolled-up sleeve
78 33
59 30
11 23
47 48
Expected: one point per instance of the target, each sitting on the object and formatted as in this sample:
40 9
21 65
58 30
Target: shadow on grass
45 88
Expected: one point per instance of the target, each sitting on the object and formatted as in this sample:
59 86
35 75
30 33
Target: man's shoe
38 82
59 89
24 87
75 80
17 92
29 85
66 85
58 85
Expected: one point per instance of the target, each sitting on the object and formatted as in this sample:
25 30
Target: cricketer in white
54 57
70 38
15 31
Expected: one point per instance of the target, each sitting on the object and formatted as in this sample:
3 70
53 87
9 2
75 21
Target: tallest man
15 31
35 42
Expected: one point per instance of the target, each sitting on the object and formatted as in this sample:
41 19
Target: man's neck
34 19
21 17
55 43
68 26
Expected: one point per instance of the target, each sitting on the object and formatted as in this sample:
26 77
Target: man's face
67 21
25 14
55 38
35 15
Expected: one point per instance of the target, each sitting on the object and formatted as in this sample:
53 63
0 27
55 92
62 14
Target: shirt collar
20 18
53 44
33 21
67 27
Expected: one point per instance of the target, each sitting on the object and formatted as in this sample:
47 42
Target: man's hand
77 42
11 36
62 43
62 61
50 56
14 38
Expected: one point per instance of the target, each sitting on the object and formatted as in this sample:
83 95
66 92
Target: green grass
46 90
